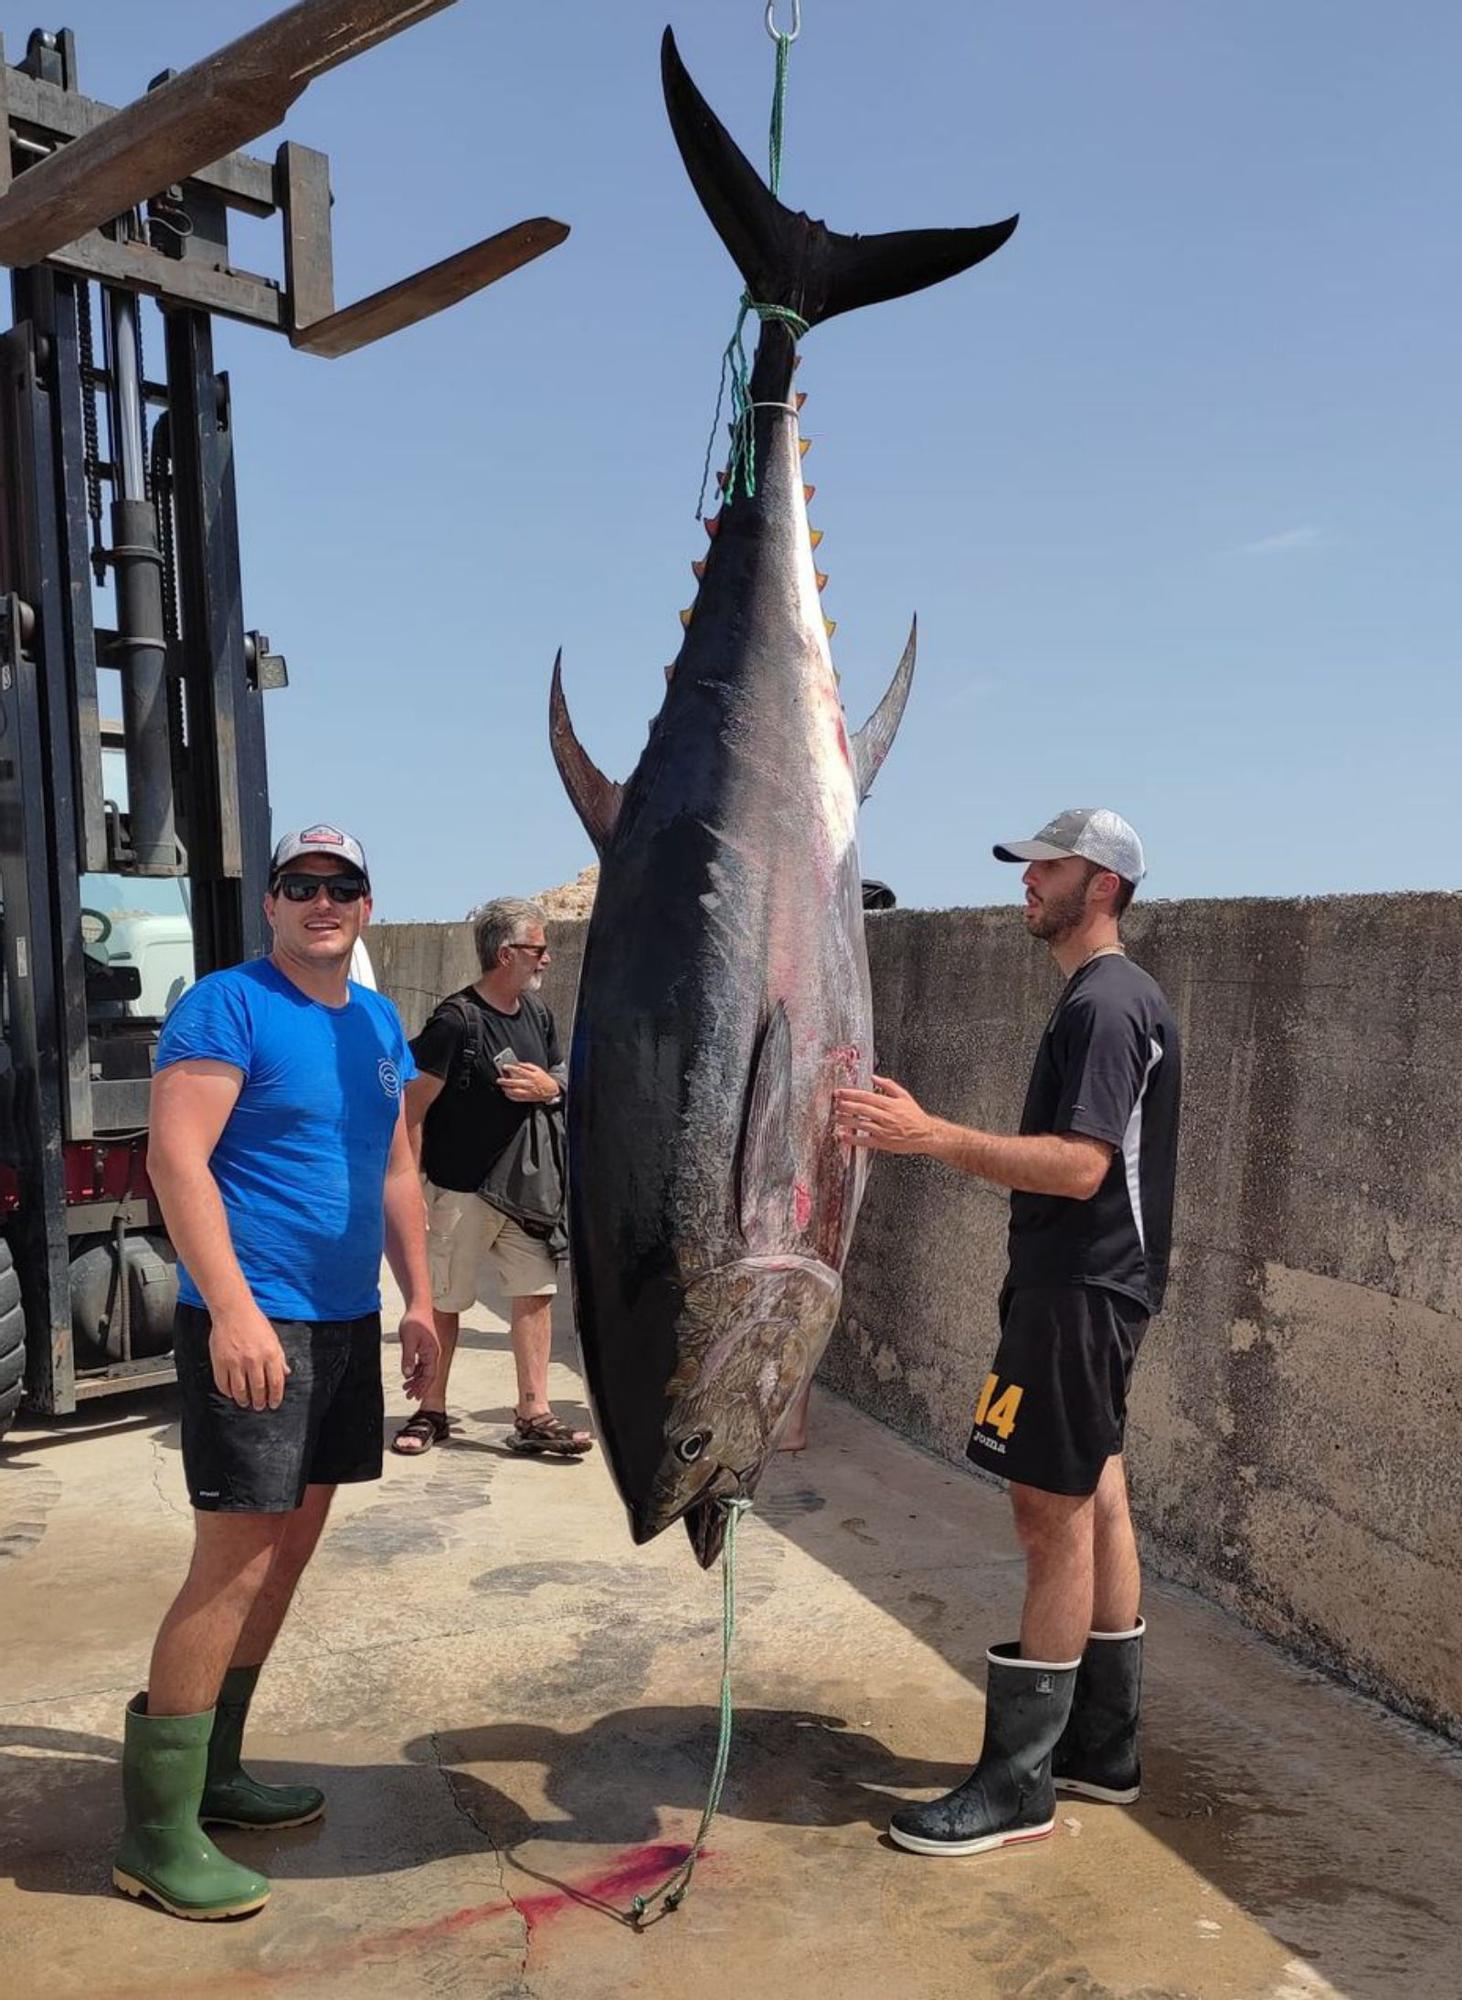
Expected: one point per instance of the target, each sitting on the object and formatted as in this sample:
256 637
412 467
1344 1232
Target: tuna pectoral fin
595 797
785 258
765 1169
871 744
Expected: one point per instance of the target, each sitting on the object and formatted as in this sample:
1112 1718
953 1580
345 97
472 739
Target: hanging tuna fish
724 993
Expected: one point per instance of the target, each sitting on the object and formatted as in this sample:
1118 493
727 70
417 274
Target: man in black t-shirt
488 1060
1091 1176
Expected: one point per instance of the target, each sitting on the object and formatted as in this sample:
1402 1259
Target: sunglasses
538 950
305 888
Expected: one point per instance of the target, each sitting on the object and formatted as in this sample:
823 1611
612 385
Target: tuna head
749 1336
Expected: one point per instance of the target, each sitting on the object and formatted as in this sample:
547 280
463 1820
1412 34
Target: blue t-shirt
301 1163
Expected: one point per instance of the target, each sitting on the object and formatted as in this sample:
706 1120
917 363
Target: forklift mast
134 805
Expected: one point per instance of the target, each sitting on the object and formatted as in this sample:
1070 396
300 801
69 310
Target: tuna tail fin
786 258
873 741
595 798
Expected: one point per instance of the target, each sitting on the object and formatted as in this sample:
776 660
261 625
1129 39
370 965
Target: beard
1059 916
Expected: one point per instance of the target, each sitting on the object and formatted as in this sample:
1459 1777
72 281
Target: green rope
673 1891
741 464
779 113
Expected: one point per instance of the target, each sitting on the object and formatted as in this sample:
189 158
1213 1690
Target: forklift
134 804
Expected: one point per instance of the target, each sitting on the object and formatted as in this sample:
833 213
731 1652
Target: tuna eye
690 1448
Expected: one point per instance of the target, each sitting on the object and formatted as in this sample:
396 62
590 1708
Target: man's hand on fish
526 1083
885 1119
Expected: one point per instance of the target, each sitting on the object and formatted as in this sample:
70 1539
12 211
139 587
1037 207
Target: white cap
1090 831
320 840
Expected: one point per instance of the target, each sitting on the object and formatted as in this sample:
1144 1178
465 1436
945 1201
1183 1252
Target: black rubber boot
1097 1754
230 1796
164 1853
1008 1797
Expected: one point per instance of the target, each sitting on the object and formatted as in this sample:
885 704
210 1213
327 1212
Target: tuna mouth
675 1495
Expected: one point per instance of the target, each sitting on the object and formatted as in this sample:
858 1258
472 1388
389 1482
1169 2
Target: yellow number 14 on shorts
998 1410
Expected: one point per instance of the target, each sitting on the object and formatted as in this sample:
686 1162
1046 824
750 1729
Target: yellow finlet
816 534
830 625
804 445
821 575
801 397
698 569
687 615
808 491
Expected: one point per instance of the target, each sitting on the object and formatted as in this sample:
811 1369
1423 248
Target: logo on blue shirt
390 1077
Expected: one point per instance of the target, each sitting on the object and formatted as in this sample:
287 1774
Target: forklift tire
12 1340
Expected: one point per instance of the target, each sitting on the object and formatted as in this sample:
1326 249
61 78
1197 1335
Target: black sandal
548 1433
428 1427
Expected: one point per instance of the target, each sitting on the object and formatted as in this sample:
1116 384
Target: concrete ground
514 1712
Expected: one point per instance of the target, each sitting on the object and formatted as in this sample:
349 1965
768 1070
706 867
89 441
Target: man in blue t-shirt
278 1153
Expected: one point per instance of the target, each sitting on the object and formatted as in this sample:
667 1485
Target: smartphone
505 1059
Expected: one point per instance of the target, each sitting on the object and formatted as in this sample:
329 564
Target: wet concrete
513 1712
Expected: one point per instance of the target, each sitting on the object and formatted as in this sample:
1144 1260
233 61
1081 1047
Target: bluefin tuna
724 994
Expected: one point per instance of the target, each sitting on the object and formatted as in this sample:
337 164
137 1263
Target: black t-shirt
1109 1067
469 1122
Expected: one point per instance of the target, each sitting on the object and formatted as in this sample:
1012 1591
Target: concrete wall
1296 1431
419 964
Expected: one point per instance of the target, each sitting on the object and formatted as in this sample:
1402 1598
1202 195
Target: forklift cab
134 810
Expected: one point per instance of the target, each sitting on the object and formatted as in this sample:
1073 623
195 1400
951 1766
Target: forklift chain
90 432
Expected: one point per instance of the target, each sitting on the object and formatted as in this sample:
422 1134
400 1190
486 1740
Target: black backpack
528 1180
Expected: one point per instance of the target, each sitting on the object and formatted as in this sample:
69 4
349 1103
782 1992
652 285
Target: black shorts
1053 1409
328 1431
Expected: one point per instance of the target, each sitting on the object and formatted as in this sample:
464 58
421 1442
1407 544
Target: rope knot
741 464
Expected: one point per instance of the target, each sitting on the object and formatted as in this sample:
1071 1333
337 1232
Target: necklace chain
1102 951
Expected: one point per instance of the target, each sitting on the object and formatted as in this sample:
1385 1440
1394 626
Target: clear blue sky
1172 482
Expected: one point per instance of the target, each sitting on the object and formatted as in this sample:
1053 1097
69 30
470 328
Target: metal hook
774 31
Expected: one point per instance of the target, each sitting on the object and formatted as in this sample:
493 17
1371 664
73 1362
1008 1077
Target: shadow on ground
1296 1800
630 1778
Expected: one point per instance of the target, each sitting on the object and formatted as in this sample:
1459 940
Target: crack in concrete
302 1616
44 1697
464 1811
183 1514
45 1700
418 1638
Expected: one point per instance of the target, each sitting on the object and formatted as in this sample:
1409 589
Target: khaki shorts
465 1238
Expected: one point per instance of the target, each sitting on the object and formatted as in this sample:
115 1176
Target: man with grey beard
488 1062
1091 1176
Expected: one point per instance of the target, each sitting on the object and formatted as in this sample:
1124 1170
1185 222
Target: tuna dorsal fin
595 797
871 744
766 1170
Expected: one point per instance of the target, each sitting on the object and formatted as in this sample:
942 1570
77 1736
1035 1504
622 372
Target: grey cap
320 839
1090 831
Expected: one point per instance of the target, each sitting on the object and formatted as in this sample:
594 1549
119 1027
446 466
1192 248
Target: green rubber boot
230 1796
164 1852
